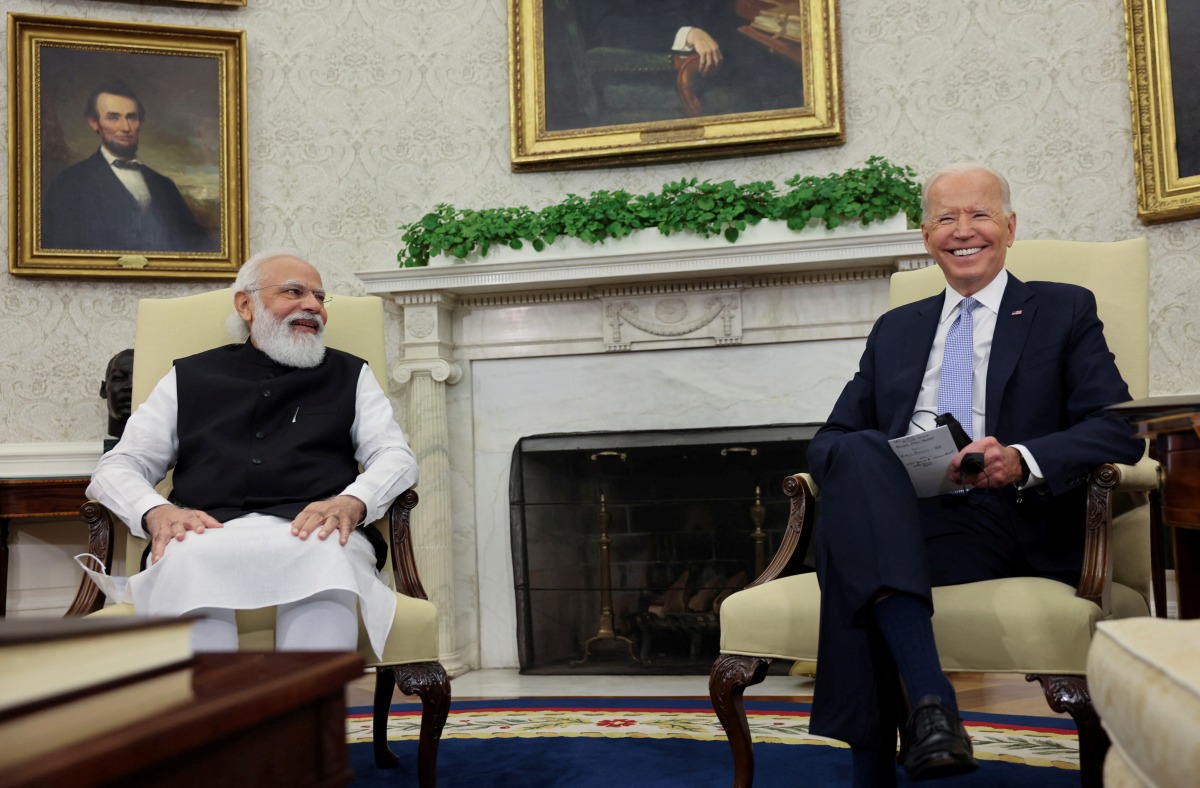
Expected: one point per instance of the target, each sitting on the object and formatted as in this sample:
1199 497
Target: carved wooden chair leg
385 681
731 675
1070 695
429 682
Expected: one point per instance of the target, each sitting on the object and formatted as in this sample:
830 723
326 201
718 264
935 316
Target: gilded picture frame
127 149
599 83
1164 81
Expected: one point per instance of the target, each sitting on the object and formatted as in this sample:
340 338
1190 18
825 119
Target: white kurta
254 561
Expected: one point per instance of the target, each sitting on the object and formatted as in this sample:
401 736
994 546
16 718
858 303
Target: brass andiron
758 514
605 629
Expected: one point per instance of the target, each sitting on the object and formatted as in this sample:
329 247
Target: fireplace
624 544
680 339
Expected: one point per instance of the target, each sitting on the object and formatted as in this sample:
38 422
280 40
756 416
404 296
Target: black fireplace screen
625 544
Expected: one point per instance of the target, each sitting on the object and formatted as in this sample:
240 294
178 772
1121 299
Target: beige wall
364 114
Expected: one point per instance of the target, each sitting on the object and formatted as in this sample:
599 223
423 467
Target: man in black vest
266 439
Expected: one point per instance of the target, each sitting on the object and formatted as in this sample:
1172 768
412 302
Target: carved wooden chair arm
89 598
404 562
789 559
687 72
1146 475
1095 581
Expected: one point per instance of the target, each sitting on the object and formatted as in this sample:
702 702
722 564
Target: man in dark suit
111 201
1024 367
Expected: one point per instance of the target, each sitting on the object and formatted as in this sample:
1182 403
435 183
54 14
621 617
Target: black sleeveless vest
257 436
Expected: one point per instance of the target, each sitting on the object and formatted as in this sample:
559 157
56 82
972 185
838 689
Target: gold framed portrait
127 149
1164 80
599 83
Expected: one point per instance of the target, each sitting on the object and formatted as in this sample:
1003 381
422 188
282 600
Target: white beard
273 337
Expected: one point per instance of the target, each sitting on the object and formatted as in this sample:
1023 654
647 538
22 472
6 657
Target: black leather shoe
938 745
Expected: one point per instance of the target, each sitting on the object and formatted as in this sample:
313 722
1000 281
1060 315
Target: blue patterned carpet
652 742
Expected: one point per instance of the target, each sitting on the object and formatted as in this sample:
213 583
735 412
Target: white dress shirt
131 178
983 321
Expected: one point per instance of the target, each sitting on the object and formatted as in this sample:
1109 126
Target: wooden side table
28 498
1174 423
256 718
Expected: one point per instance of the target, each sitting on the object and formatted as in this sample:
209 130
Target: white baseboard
21 460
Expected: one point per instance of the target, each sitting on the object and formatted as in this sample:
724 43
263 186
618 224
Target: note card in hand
926 456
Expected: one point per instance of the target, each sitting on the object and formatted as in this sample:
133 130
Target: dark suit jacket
87 207
1049 375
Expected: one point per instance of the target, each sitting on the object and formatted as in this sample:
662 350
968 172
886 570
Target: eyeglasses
294 292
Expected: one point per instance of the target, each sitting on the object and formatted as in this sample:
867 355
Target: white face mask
116 589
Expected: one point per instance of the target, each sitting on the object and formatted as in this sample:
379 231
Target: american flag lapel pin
1017 312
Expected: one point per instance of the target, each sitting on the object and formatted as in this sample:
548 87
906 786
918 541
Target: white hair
248 277
966 166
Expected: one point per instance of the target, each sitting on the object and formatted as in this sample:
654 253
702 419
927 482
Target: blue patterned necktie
958 362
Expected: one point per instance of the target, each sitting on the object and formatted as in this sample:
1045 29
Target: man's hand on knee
166 522
341 514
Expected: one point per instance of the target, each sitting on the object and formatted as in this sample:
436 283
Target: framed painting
127 149
599 83
1164 77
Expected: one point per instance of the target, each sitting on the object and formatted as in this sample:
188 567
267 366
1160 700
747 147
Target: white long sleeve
124 478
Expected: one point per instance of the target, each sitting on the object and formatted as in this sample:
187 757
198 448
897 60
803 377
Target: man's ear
242 303
95 124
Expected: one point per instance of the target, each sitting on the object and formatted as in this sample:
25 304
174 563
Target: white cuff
681 44
1035 471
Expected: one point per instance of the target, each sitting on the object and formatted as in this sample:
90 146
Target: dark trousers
874 534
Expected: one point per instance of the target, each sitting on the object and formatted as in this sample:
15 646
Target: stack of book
66 680
782 20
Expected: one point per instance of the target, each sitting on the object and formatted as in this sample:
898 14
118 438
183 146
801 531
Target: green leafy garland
871 193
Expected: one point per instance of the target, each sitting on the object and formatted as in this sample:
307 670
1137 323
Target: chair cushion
1144 679
779 619
1130 544
413 637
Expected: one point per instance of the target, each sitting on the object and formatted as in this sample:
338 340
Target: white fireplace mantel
763 331
649 256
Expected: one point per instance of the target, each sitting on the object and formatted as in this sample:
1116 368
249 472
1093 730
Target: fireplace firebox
625 544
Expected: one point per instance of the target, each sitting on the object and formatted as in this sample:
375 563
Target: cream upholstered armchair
171 328
1030 625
